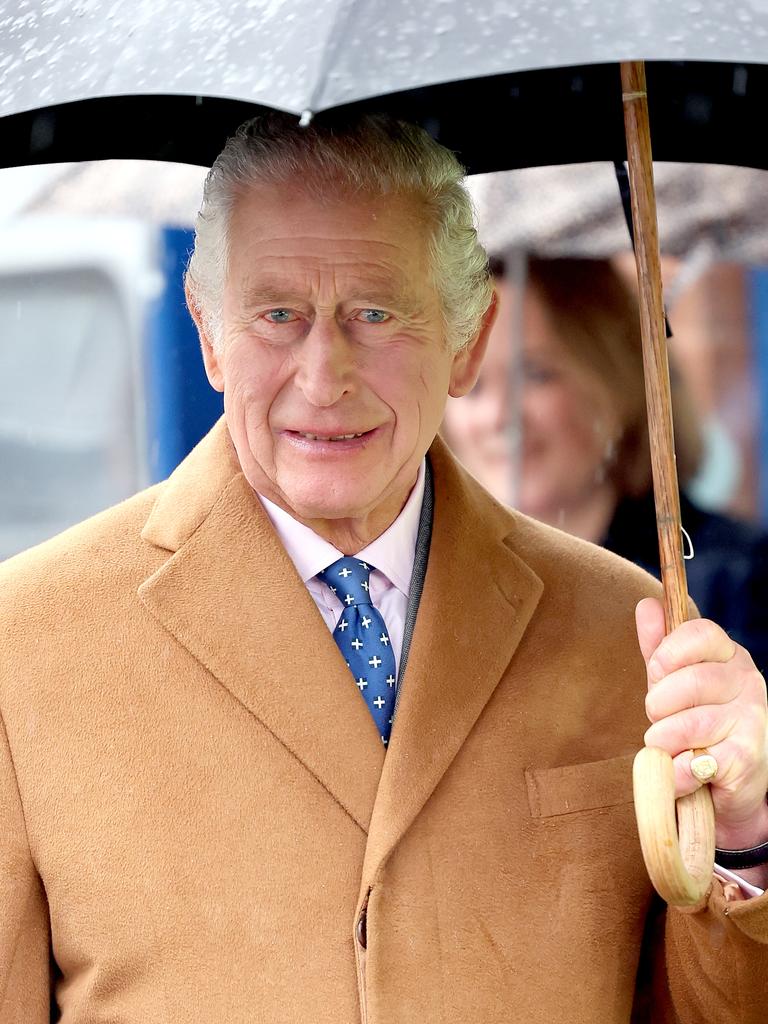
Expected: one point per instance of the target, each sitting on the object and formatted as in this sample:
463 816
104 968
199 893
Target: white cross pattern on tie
366 621
374 661
391 680
384 639
362 683
349 599
345 572
343 625
379 702
357 644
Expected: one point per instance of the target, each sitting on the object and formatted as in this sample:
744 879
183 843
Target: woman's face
566 426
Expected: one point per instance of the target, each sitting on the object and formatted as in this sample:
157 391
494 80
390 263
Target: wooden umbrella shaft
678 843
655 359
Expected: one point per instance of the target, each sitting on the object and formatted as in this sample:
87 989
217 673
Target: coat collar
231 597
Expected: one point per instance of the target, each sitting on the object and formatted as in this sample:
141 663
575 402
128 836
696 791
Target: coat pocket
579 787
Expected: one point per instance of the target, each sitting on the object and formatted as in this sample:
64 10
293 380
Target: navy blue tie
363 639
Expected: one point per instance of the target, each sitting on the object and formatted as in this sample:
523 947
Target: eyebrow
273 293
269 296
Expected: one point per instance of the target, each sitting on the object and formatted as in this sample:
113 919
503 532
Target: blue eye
374 316
279 316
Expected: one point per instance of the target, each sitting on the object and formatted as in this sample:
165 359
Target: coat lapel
230 595
477 600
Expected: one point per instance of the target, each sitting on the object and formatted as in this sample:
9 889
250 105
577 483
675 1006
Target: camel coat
199 822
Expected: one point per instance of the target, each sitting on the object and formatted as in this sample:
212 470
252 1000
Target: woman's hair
374 155
595 316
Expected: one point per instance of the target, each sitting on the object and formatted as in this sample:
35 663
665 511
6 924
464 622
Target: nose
324 364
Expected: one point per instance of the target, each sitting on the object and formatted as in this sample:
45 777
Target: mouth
341 441
328 437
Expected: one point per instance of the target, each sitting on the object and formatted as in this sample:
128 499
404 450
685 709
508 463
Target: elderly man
318 731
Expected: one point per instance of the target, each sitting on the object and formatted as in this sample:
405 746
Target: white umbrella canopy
169 80
300 56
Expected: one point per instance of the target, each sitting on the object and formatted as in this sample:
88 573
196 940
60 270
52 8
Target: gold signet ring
704 767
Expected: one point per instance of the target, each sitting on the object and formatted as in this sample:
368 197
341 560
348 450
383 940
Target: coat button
362 929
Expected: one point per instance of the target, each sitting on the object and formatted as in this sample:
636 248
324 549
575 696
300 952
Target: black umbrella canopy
510 84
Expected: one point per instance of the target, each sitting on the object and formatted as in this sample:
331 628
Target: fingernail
655 671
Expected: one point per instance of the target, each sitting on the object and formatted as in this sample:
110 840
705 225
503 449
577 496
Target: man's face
333 365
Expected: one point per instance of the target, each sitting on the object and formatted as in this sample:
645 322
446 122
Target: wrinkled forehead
377 240
294 208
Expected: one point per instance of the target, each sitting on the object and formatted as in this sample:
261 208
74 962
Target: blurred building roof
571 210
155 192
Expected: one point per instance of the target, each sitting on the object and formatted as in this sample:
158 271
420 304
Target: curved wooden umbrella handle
679 850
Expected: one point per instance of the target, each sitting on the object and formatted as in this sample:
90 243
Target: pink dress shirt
392 553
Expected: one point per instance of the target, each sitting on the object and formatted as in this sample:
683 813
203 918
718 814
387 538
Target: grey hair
375 155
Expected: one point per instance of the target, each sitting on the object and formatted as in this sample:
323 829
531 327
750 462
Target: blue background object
181 406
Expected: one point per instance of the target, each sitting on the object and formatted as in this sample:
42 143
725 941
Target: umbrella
541 82
90 80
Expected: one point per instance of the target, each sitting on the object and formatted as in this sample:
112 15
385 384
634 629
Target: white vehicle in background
101 384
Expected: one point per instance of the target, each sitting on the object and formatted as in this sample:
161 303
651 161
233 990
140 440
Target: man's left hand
704 691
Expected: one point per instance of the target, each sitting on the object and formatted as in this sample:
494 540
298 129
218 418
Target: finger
735 773
695 641
686 782
651 627
696 727
694 686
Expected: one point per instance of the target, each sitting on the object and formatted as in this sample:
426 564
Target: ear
467 362
210 358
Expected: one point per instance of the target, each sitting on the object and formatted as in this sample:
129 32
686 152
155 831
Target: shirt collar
392 553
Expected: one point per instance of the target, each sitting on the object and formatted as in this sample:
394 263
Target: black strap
735 859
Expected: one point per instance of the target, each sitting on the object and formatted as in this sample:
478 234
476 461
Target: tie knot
348 579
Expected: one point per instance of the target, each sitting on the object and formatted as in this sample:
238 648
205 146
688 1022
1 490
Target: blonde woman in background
582 463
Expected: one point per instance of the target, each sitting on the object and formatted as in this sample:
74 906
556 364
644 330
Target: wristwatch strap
734 859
